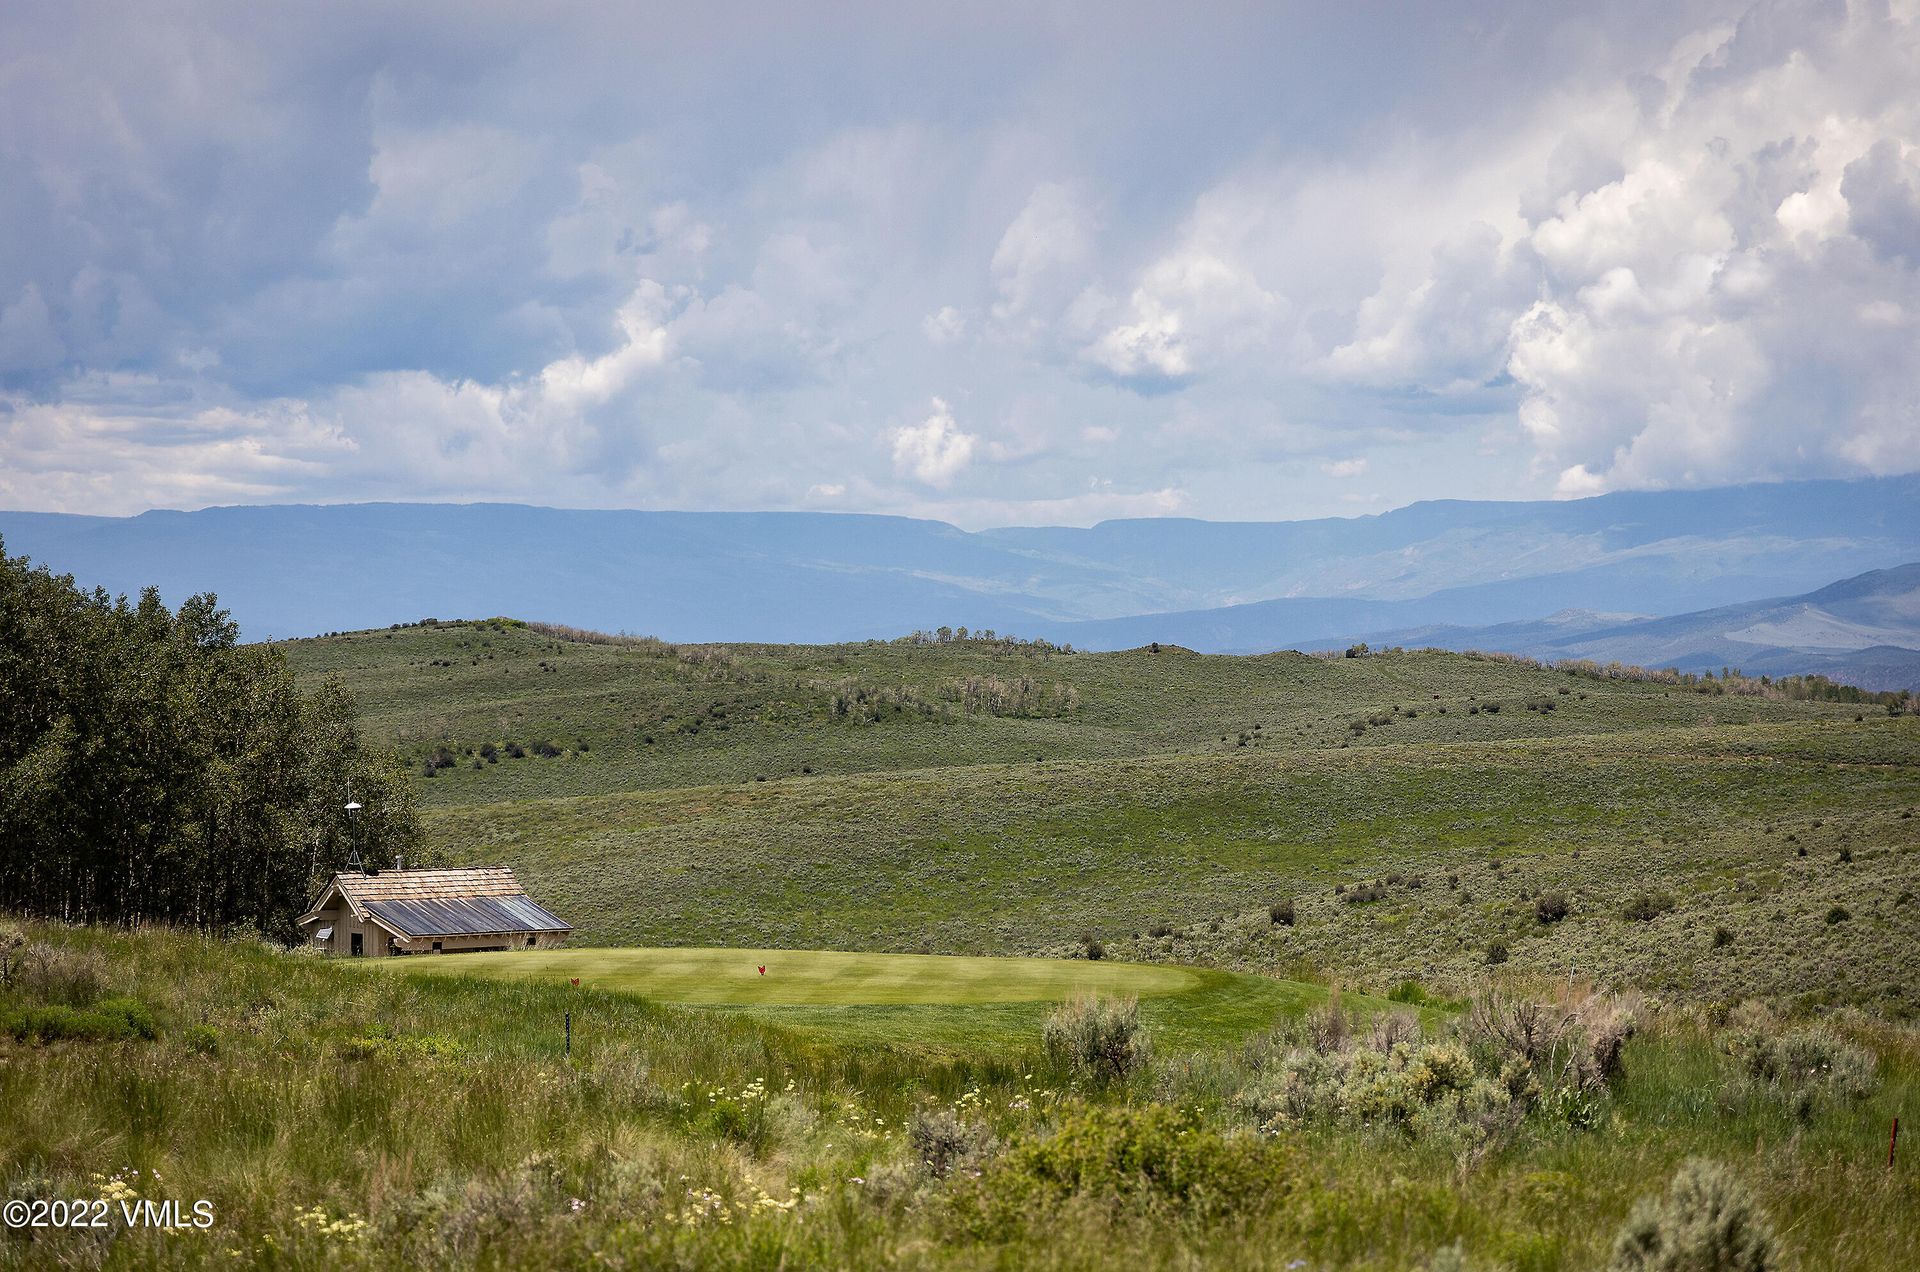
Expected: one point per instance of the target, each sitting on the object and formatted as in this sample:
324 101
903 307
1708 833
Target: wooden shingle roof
429 885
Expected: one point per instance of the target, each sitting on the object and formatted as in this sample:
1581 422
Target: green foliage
1098 1036
110 1020
381 1042
153 769
1646 905
1707 1221
1151 1159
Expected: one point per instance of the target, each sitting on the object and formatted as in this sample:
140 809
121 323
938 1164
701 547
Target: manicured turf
819 977
917 998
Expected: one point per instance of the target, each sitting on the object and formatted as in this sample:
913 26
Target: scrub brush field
500 710
1396 816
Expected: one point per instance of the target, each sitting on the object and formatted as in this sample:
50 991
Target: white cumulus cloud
935 450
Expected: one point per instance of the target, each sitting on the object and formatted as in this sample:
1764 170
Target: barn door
359 944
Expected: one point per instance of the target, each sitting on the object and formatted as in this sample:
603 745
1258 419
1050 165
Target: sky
990 263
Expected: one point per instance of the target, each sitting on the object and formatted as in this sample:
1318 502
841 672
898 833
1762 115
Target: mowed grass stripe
959 1004
818 978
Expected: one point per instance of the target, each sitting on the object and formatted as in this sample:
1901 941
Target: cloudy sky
991 263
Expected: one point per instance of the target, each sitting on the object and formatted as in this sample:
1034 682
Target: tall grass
339 1119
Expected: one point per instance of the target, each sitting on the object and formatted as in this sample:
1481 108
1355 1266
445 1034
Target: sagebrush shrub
1706 1222
1805 1066
943 1143
1389 1077
1575 1045
1098 1036
1647 906
1151 1158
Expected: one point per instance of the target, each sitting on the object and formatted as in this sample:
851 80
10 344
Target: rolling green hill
1416 809
595 717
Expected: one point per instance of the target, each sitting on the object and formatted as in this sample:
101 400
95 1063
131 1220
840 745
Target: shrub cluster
1570 1050
1706 1222
1149 1159
1428 1091
944 1144
1099 1037
1509 1058
1022 698
1806 1066
1647 906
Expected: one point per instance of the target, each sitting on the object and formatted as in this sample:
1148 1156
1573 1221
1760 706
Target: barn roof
482 900
415 885
465 916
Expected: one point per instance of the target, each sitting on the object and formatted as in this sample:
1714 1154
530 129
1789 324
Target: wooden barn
373 915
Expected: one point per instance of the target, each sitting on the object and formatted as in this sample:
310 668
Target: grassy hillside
1460 839
1164 803
593 718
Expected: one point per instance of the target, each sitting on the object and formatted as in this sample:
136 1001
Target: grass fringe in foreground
346 1121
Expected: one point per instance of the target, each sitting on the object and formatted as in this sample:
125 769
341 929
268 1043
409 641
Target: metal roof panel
466 916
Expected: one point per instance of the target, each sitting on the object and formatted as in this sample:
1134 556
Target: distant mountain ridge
1863 630
294 570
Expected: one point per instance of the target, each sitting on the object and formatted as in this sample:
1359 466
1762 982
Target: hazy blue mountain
293 570
1863 630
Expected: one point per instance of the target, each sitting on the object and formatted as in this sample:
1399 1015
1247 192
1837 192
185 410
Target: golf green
941 1000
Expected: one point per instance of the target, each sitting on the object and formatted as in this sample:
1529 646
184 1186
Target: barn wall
373 937
468 944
